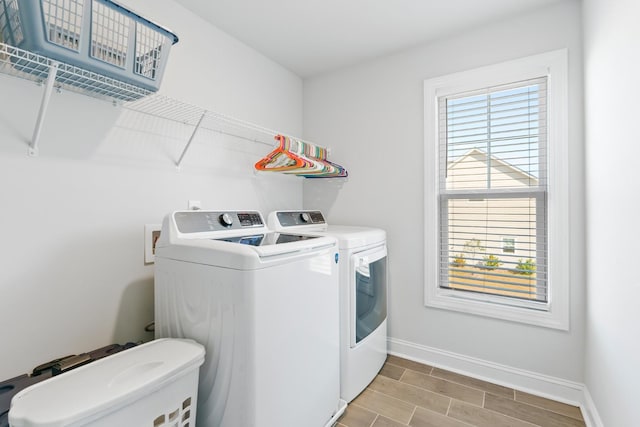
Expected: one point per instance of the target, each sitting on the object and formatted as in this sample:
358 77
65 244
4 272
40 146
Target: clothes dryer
363 294
264 305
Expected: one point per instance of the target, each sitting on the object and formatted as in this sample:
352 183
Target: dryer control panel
296 218
202 221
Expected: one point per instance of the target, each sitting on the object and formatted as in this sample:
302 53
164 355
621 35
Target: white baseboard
558 389
589 411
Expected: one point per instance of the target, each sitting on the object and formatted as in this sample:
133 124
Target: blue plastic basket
98 35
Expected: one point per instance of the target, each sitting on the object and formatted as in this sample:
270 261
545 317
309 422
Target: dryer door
368 292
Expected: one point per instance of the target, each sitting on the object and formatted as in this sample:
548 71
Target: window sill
529 312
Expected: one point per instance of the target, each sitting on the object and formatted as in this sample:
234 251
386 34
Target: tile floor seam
463 386
551 410
420 388
471 386
374 420
403 372
456 382
394 398
364 409
405 369
430 368
448 407
548 411
412 415
514 418
500 414
415 405
455 419
464 422
484 398
523 420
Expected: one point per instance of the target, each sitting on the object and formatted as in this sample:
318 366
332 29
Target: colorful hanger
300 158
282 158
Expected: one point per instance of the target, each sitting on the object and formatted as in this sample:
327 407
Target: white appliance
153 384
363 294
264 305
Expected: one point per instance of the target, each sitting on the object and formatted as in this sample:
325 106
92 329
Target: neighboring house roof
479 155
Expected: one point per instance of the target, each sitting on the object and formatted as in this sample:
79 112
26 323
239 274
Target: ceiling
309 37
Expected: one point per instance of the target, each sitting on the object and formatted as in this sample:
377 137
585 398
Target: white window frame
555 312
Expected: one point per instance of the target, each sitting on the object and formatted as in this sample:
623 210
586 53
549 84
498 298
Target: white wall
72 274
612 67
371 116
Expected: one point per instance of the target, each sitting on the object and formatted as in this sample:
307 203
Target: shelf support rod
48 88
193 135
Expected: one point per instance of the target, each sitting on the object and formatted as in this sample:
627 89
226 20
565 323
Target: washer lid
268 239
240 256
314 222
230 239
105 385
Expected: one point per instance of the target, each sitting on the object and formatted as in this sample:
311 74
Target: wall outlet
151 235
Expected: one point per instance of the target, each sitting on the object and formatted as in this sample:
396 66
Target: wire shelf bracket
27 65
46 97
193 135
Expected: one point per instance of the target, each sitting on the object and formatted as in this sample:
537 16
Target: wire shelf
166 108
171 109
31 66
53 74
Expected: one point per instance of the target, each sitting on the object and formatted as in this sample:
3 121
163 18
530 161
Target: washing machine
265 307
363 294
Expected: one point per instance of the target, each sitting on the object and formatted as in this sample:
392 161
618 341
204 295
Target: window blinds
492 191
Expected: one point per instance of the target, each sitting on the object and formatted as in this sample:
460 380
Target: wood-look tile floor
406 393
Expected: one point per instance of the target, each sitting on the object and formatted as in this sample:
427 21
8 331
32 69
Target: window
495 153
509 245
492 151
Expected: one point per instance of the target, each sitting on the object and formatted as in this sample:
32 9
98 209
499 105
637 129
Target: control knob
226 219
305 217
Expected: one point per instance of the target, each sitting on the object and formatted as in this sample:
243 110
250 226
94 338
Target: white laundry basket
154 384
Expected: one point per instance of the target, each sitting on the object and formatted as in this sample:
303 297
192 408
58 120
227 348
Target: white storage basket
154 384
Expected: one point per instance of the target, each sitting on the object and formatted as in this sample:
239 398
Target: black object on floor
13 386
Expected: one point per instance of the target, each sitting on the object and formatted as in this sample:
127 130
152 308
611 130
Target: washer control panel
297 218
202 221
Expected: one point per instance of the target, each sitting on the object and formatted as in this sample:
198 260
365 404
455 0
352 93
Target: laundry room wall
611 32
72 276
371 115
